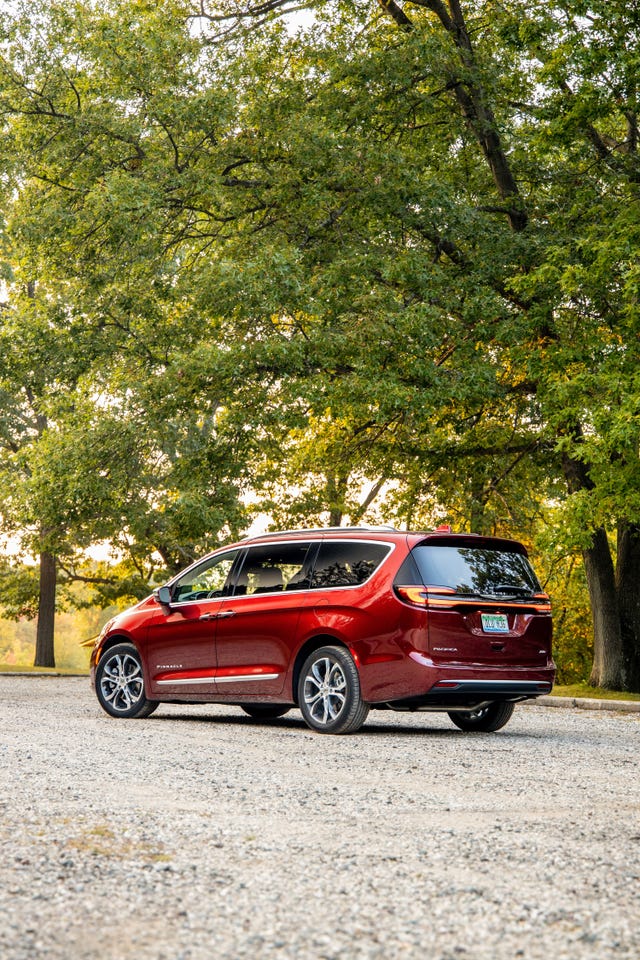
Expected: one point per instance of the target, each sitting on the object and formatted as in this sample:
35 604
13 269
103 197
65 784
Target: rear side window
347 564
476 571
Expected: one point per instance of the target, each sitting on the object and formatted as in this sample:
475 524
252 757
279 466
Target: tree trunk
478 501
336 488
473 101
45 656
628 590
608 667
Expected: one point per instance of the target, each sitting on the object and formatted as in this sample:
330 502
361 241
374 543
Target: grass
101 841
44 671
583 690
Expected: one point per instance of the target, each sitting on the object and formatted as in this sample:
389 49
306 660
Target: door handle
218 616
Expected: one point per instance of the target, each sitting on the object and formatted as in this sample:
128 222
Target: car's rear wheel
265 711
329 692
120 683
486 719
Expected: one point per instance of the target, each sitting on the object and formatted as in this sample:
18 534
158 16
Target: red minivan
337 622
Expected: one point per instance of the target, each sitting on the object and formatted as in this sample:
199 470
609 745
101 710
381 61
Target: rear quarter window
347 564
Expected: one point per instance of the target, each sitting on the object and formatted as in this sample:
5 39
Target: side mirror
164 596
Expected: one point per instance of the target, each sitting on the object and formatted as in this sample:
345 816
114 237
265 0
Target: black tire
265 711
329 692
486 719
120 683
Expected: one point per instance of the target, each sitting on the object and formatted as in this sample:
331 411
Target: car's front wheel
329 692
486 719
120 683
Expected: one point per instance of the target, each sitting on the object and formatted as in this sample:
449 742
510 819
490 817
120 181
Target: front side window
274 567
347 564
209 579
476 570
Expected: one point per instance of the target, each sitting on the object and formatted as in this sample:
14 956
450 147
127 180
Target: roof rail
317 530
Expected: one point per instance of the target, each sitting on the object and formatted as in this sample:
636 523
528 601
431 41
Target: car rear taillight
543 602
419 596
416 596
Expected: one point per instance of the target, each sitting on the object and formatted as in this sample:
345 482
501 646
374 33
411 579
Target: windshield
476 570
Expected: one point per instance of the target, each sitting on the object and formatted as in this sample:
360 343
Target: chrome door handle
217 616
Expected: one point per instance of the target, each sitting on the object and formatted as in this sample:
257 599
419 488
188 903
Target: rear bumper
447 693
416 680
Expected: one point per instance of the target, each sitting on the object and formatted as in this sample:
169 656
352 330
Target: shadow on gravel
374 728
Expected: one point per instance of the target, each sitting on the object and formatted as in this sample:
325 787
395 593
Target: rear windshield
476 570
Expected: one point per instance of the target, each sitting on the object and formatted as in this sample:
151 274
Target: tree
409 250
86 459
531 218
512 233
41 360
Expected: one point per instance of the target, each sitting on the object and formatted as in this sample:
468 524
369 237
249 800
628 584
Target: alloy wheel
325 690
121 683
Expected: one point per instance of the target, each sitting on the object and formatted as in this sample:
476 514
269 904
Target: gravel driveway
198 834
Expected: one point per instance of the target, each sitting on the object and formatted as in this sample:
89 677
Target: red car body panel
249 648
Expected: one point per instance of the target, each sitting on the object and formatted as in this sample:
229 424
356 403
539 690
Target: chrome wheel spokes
329 692
325 690
121 682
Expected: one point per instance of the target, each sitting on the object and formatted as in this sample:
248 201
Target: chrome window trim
279 593
239 550
355 586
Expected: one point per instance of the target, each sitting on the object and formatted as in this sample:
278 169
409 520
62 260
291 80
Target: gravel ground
198 834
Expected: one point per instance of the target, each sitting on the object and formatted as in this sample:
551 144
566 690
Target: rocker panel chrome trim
190 680
236 679
244 676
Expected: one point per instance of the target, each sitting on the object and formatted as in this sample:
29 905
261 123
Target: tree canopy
379 262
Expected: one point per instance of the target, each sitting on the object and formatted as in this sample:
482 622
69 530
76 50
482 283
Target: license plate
495 623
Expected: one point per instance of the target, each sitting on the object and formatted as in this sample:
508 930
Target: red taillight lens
419 596
543 601
416 596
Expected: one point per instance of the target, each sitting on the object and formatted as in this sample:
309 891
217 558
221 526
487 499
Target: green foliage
348 272
19 587
564 580
73 626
